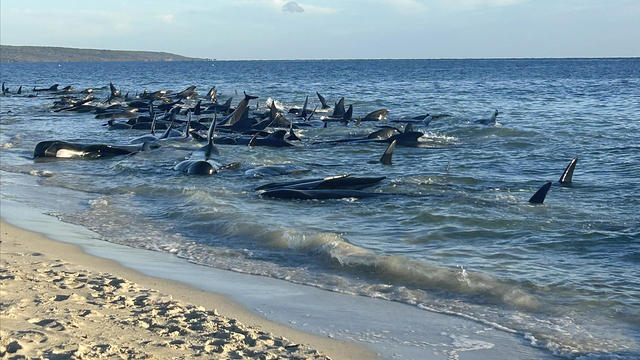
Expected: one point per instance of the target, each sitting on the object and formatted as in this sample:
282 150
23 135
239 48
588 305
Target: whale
239 118
63 149
383 134
348 115
53 87
275 170
377 115
294 194
187 93
301 112
386 157
212 95
200 161
76 105
541 194
338 110
408 137
567 175
217 108
344 182
275 139
488 121
323 102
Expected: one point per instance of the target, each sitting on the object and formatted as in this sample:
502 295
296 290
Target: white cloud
293 7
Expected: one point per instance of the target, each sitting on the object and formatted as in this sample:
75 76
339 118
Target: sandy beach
58 302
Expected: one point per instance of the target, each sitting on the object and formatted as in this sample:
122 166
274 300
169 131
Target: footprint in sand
60 297
32 336
47 323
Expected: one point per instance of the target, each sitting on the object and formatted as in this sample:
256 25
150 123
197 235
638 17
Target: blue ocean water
459 235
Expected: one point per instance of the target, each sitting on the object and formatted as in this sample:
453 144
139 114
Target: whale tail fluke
538 197
386 157
567 175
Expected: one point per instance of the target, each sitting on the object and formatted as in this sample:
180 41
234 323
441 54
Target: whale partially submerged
63 149
200 162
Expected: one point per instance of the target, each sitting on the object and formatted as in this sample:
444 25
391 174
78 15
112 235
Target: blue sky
326 29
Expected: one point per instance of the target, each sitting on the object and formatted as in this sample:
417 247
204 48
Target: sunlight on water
457 234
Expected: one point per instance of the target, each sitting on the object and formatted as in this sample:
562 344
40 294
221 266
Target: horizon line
347 59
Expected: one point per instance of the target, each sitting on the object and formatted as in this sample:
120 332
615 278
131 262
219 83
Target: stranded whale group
184 116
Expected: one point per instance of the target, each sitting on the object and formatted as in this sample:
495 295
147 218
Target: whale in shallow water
344 182
386 157
323 102
275 139
53 87
63 149
541 194
489 121
567 175
338 110
275 170
377 115
200 161
294 194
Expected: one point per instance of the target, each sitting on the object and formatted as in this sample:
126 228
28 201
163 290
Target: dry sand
58 302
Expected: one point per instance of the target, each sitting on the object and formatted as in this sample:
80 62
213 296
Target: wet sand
57 301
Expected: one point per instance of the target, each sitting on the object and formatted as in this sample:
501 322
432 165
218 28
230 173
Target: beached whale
345 181
293 194
200 161
63 149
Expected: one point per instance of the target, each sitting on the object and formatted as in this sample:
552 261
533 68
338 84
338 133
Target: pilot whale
200 161
567 175
63 149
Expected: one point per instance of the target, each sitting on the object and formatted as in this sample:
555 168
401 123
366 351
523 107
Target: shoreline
33 260
340 325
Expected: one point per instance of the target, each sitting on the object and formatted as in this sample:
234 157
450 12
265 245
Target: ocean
456 234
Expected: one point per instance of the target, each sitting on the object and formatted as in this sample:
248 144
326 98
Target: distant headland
9 53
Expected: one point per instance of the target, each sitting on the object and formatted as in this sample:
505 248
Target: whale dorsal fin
323 102
386 157
274 111
212 129
567 175
166 133
186 131
304 107
338 110
153 124
538 197
348 114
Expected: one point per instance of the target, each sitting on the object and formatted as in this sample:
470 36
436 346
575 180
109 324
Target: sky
331 29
